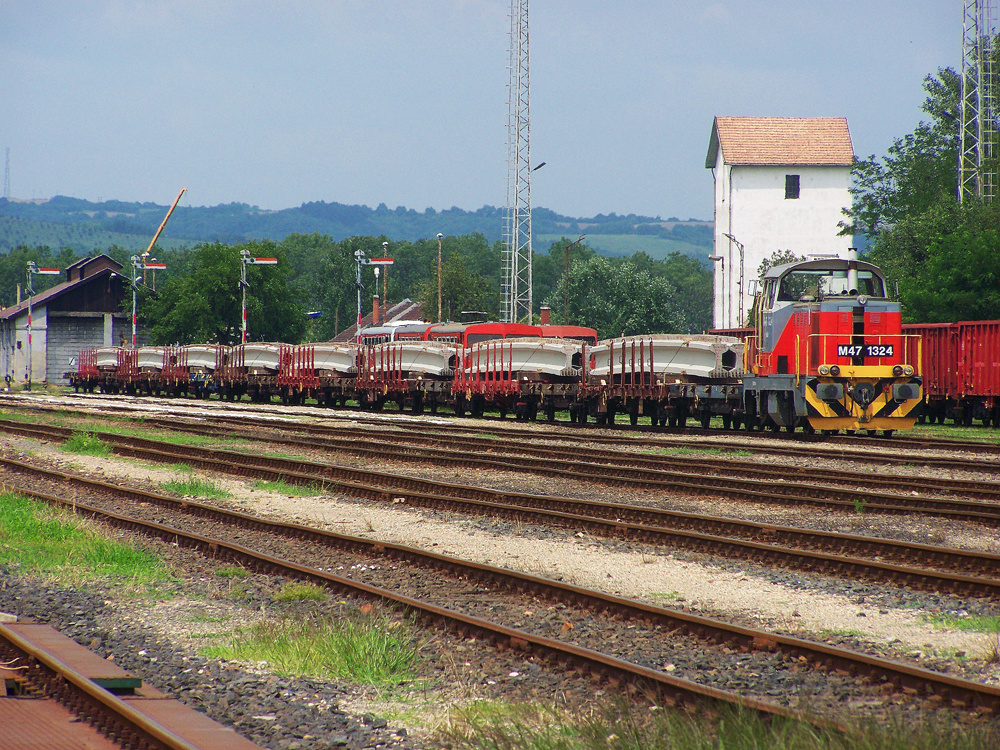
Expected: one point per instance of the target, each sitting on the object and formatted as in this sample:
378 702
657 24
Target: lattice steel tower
517 230
6 175
977 157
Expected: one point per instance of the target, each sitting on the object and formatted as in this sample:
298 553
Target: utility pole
439 276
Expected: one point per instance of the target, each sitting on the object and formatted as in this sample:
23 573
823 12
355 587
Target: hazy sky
405 103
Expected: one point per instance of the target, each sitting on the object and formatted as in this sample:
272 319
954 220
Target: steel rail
537 454
656 686
790 493
628 522
111 715
825 445
890 674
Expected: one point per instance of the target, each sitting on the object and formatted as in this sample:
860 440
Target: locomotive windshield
815 284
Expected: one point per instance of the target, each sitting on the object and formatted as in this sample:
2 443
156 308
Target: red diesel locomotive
828 352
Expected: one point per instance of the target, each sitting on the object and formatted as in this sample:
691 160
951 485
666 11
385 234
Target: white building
781 183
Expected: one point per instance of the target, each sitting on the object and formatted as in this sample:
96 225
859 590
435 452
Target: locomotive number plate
864 350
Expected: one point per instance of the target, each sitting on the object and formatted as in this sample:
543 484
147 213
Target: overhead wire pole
248 260
517 282
977 165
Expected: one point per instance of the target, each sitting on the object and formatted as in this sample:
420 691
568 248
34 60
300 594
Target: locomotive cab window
810 285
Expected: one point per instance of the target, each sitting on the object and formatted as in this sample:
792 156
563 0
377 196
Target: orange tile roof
773 141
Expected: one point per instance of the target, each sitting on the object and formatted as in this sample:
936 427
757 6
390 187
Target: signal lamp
824 369
897 371
835 370
907 370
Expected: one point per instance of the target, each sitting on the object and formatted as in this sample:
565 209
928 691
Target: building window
791 186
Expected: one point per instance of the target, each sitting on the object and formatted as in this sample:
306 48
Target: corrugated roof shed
776 141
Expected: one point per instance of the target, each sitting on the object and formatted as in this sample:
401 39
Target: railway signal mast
32 270
978 149
139 263
516 285
248 260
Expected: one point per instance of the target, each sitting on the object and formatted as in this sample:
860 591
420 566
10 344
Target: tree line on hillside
83 221
941 255
198 298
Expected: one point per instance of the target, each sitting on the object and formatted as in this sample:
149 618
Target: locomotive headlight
897 371
835 370
907 370
824 369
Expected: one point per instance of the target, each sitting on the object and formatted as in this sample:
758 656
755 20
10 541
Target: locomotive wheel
727 422
706 419
633 418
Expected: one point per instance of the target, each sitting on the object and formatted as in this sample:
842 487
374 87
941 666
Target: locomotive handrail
903 356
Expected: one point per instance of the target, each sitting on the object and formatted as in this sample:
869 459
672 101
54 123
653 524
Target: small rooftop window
791 187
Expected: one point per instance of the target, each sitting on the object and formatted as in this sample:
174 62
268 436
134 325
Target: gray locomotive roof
820 264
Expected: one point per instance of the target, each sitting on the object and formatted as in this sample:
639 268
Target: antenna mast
6 176
977 167
516 291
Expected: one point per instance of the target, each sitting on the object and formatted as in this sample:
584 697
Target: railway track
876 677
963 572
891 452
538 456
728 480
59 695
857 448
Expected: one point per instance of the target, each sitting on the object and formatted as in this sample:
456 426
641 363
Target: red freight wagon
979 369
938 365
961 367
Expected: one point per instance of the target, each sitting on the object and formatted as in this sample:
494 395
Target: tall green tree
14 270
204 306
618 298
322 274
919 169
462 290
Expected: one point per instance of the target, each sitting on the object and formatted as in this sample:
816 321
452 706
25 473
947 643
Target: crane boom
164 222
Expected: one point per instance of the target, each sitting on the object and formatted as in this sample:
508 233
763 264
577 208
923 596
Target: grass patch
532 727
369 651
284 488
194 487
232 571
677 451
19 416
973 433
36 538
301 592
86 444
970 623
